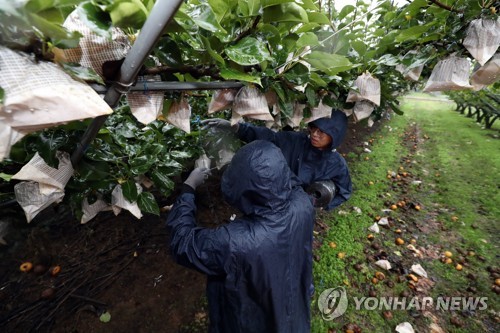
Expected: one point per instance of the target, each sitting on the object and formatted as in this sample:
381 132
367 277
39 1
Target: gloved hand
197 177
218 123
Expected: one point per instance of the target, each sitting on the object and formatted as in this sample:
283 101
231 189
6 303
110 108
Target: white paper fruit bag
451 73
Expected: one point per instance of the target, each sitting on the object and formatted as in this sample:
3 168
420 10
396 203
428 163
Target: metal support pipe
173 85
161 14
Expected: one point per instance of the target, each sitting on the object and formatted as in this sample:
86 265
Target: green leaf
389 16
5 176
105 317
414 7
2 96
285 12
298 74
101 151
319 18
318 80
183 19
379 32
162 180
371 54
82 73
276 86
60 36
328 100
126 129
286 108
413 32
346 10
307 27
141 164
388 39
36 6
149 4
93 170
179 154
220 8
248 51
359 47
217 57
249 7
307 39
311 96
290 43
154 148
327 62
270 33
168 53
130 190
204 17
336 43
309 4
429 38
269 3
411 63
54 15
171 166
127 13
51 141
174 27
388 60
233 74
147 203
94 18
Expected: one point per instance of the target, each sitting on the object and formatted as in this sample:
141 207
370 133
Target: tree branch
247 32
441 5
195 71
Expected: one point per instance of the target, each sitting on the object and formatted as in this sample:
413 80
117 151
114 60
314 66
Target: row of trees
484 105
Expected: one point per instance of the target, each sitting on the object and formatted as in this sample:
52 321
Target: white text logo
332 303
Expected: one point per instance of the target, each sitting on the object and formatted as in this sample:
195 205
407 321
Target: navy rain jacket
307 162
259 266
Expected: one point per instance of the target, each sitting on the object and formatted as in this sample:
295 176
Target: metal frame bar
173 85
161 14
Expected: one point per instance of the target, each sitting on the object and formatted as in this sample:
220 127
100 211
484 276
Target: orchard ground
439 170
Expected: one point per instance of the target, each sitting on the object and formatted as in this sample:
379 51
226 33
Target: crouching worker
259 266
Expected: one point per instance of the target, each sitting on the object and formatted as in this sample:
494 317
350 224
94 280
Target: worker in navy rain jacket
259 266
311 156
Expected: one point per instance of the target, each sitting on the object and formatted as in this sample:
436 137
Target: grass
464 185
466 165
458 164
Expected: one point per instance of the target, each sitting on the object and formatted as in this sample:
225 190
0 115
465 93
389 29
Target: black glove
218 123
197 177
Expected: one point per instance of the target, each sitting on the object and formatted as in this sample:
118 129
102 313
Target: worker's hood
258 180
335 127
